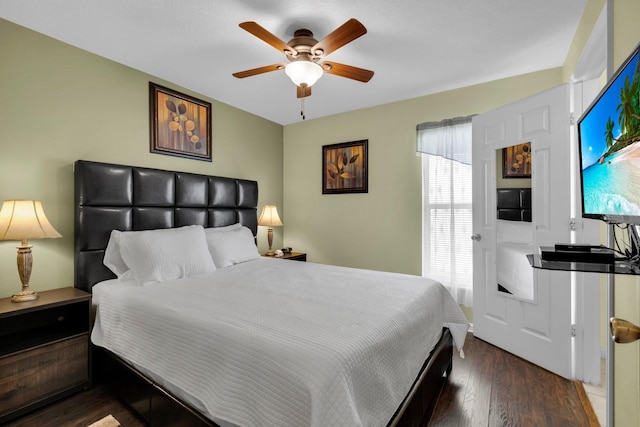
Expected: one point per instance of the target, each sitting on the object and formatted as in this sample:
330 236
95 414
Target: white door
587 285
536 329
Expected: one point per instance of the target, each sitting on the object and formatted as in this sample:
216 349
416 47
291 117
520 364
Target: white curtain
450 138
447 213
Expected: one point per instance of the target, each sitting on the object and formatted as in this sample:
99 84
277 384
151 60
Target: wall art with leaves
180 124
345 168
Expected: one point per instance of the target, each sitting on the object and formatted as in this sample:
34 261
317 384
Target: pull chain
302 108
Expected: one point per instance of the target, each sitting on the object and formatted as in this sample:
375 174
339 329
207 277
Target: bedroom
67 104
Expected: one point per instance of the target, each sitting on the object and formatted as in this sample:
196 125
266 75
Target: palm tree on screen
608 133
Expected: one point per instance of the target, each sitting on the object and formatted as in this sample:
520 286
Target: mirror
514 229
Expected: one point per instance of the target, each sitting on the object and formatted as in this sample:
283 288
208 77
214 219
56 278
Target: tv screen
609 148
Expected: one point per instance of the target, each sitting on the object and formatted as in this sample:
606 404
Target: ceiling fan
304 54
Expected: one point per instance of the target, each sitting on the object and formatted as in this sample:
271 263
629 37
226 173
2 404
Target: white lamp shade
25 219
269 217
303 72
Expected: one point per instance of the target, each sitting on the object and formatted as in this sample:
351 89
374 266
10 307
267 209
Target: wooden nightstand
44 349
296 256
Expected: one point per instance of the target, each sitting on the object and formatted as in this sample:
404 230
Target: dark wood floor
489 387
80 410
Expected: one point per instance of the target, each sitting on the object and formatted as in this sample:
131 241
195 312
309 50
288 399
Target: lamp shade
303 73
269 217
25 219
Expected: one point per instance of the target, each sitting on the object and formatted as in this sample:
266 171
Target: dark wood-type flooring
489 387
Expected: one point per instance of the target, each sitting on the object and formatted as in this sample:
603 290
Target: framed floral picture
180 124
345 168
516 161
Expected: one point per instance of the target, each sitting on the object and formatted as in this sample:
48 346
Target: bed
514 240
257 341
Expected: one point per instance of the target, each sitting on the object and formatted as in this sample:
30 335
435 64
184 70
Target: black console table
618 267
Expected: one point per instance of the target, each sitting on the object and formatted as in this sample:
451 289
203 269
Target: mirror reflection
514 229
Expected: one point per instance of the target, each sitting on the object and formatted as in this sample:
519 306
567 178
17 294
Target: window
447 251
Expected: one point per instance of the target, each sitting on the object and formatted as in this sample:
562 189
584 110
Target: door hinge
572 118
573 330
572 224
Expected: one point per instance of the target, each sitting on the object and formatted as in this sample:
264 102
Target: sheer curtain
446 205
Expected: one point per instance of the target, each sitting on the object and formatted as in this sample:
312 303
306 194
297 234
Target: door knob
476 237
623 331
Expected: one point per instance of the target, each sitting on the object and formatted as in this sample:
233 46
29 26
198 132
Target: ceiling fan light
303 72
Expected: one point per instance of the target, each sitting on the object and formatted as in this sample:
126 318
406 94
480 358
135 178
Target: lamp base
24 296
270 251
25 262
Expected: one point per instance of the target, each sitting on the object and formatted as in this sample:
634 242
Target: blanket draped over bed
262 342
272 342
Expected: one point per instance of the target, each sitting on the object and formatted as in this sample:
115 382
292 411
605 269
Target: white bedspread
281 343
513 270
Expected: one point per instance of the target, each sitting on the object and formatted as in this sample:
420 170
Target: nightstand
295 256
44 349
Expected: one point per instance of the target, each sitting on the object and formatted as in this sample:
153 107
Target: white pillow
223 229
514 231
232 247
165 254
114 262
112 259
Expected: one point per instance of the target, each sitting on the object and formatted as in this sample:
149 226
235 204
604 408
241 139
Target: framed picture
180 124
344 168
516 161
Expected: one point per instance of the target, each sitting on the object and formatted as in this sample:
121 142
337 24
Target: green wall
381 229
59 104
626 36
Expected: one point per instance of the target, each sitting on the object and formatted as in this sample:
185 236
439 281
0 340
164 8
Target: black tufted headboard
514 204
109 196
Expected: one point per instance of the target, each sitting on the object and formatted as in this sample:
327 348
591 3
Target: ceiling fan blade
303 92
346 33
266 36
259 70
347 71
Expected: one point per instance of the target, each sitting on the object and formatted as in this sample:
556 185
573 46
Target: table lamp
269 218
22 220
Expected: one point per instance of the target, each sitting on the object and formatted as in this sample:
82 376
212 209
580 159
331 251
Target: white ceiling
415 47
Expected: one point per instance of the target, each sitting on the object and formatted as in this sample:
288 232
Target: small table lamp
22 220
269 218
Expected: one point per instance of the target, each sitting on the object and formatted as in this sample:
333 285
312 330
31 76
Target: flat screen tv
609 148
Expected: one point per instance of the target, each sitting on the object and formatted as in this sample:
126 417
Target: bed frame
109 196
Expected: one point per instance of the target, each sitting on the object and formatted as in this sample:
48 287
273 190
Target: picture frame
345 168
180 124
516 161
